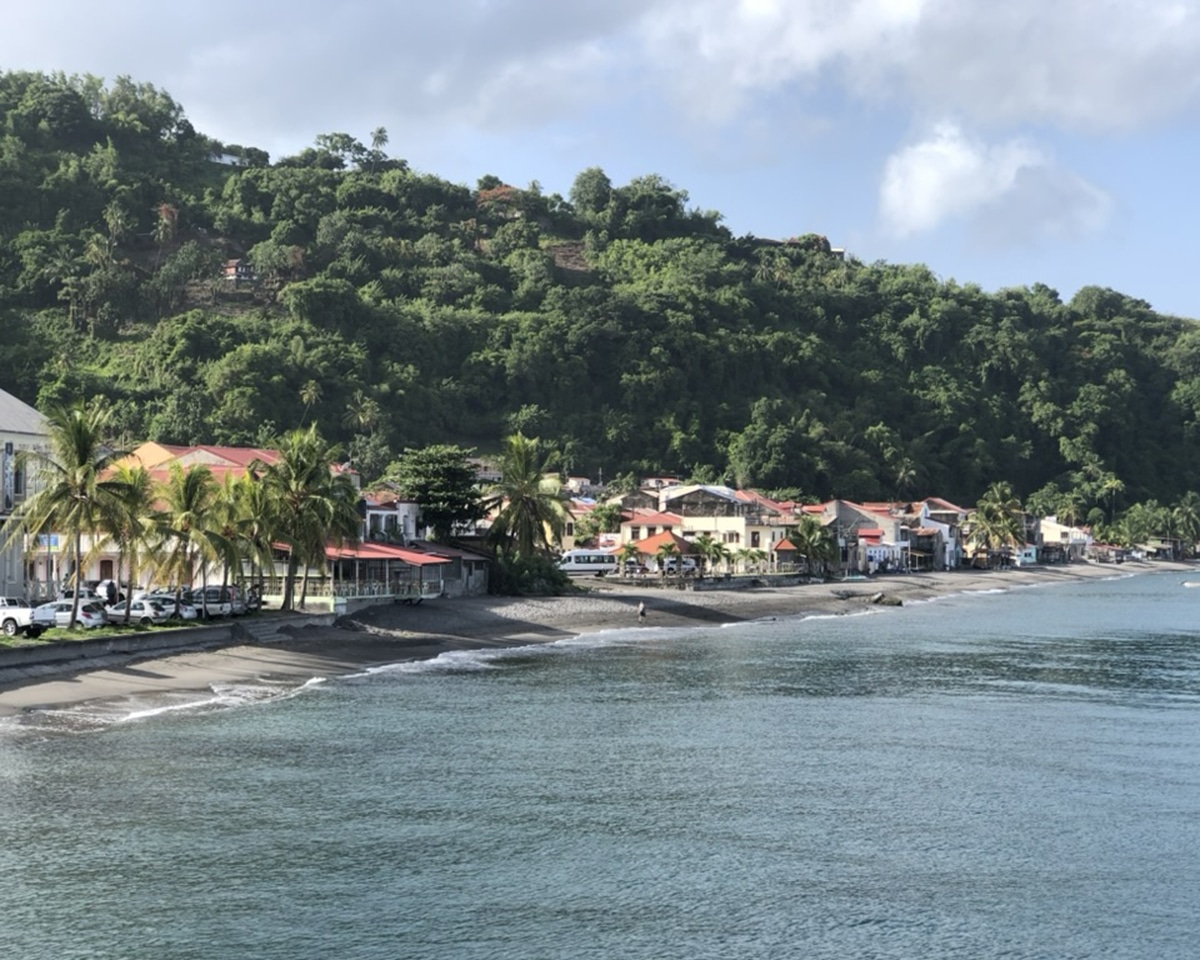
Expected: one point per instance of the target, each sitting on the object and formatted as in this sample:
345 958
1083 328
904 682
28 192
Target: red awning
382 551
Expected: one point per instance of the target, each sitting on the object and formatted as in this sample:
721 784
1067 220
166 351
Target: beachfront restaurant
361 575
381 571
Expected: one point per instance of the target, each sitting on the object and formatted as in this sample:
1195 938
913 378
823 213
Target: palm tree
629 553
131 526
998 522
1187 520
379 140
228 521
311 504
532 510
258 522
666 555
310 393
186 526
75 492
814 543
709 550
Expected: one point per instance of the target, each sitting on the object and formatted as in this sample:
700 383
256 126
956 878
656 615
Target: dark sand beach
392 633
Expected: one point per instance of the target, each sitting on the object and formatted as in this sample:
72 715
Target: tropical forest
209 293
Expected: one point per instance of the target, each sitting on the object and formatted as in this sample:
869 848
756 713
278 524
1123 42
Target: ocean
1010 774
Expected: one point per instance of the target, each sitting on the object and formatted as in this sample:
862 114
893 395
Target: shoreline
391 633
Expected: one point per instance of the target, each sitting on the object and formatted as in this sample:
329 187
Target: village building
22 429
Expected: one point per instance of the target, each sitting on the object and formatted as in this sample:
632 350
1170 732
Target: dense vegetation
396 310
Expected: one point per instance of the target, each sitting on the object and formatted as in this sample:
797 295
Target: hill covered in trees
395 309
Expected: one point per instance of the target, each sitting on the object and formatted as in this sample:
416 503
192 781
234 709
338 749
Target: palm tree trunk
76 574
289 581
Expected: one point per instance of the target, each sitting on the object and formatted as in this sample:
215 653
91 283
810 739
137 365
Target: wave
104 714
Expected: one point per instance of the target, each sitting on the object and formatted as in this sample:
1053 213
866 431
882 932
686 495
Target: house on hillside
238 271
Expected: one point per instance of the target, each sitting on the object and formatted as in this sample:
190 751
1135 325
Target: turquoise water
1011 775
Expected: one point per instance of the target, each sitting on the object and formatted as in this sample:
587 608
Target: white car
145 612
16 616
57 613
186 610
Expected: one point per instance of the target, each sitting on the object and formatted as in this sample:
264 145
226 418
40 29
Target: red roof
870 533
382 551
785 544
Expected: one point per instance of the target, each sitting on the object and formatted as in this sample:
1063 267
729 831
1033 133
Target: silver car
57 613
145 612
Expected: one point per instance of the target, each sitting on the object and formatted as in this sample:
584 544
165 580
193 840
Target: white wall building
21 428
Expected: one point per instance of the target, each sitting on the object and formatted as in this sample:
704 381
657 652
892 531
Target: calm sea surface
1010 775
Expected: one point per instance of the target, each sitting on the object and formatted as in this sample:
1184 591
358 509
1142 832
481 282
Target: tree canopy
208 294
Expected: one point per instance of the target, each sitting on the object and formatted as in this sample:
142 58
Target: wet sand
394 633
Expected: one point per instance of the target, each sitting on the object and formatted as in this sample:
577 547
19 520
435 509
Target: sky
1003 144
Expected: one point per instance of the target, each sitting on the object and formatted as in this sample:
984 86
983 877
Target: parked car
144 611
214 601
57 613
16 616
85 594
177 609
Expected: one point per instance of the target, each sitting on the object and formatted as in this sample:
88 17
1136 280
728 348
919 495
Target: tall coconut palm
131 527
532 511
186 526
815 543
257 525
1187 520
667 555
310 503
629 553
998 521
709 551
74 489
228 520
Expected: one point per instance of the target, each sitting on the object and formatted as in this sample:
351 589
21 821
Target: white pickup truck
16 616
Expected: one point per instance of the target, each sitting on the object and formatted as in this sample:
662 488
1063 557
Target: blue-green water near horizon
1011 775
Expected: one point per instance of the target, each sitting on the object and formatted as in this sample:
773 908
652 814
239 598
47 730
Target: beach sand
393 633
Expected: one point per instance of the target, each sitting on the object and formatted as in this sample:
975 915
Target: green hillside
397 309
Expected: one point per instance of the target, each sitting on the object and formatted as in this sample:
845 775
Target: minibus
589 563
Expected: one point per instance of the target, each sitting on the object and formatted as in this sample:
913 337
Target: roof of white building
19 417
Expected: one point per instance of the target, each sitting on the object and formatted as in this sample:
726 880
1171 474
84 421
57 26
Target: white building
21 428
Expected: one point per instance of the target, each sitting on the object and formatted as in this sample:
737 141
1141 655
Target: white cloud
1006 192
1095 64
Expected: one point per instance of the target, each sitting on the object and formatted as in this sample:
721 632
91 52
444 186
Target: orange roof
652 544
785 544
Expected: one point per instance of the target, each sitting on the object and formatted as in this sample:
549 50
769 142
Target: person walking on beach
641 611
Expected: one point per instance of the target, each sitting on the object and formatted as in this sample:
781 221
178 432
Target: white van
589 563
673 564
